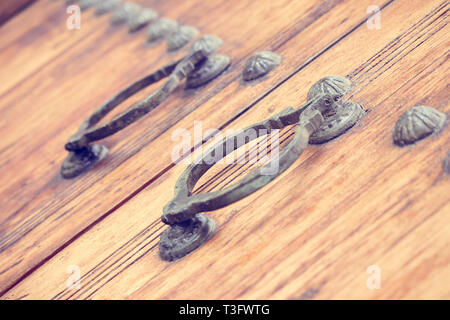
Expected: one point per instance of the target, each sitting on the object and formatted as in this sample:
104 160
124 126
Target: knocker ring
83 156
188 227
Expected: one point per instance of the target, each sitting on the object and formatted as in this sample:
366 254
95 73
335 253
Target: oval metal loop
175 72
83 156
185 206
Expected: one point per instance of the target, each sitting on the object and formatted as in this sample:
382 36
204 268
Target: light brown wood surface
8 8
343 206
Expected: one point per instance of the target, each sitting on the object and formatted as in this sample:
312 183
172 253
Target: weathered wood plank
353 202
37 202
9 8
33 39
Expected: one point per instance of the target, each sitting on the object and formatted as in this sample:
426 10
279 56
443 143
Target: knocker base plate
209 69
82 160
346 115
183 238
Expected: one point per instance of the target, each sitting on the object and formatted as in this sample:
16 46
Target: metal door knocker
324 117
82 156
188 227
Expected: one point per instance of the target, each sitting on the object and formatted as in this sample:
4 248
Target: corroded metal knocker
82 156
188 227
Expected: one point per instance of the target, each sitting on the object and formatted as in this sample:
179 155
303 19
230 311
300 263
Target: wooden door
345 211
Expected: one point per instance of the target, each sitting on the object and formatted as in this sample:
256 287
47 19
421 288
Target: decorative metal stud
337 121
161 29
260 64
330 84
139 21
209 43
124 13
181 37
183 238
105 6
416 124
207 70
83 156
183 211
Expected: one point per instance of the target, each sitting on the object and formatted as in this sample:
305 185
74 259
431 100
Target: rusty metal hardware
83 156
188 228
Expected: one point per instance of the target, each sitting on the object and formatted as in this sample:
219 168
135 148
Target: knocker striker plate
185 207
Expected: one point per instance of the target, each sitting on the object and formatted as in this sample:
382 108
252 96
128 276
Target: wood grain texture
343 206
37 202
9 8
32 40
